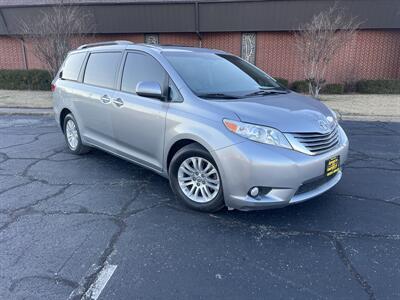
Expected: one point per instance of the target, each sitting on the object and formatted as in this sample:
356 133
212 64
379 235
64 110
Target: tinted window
141 67
101 69
73 65
174 94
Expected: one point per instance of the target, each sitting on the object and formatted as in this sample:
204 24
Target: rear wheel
72 136
195 179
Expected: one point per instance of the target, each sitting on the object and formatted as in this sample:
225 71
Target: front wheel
195 179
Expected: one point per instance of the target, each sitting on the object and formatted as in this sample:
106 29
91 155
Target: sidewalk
25 102
385 108
25 99
365 107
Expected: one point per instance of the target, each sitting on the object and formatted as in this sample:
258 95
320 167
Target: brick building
259 31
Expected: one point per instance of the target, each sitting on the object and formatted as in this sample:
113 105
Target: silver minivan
224 132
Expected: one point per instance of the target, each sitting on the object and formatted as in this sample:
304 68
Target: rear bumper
291 176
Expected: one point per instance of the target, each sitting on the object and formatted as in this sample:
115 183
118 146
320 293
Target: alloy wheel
72 134
198 179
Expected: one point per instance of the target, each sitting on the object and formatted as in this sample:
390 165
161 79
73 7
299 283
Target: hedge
362 87
378 86
333 88
25 80
41 80
282 81
300 86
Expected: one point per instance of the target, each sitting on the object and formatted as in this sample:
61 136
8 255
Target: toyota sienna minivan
224 132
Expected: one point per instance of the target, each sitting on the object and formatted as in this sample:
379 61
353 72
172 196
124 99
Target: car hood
290 112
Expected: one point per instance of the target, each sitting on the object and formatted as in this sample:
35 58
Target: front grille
313 184
318 143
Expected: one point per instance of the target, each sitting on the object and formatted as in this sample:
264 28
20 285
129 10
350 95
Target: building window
151 38
248 52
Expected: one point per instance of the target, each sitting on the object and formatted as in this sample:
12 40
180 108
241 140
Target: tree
55 32
319 40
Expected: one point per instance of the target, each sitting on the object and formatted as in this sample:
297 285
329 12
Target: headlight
261 134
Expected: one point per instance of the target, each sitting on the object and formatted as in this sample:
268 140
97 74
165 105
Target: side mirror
150 89
60 75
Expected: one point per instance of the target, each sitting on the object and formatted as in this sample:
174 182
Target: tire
75 147
208 198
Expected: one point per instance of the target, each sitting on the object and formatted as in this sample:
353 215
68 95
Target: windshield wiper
218 96
266 92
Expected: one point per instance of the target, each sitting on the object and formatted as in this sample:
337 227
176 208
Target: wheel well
176 147
63 114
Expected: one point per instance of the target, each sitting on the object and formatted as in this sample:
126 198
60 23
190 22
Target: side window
72 66
141 67
173 93
101 68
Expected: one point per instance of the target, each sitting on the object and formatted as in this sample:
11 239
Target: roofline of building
208 16
12 3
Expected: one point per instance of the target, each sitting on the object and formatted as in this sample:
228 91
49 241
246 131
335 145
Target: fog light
254 192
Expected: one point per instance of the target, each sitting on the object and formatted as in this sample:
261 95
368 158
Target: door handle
118 102
105 99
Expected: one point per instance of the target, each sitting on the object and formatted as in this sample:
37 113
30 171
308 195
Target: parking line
97 287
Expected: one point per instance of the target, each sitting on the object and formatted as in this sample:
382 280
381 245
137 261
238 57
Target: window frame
116 71
165 85
179 92
83 65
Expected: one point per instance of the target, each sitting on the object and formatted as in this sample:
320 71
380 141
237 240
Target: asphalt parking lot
77 226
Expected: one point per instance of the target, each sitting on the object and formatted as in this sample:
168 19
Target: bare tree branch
319 40
54 34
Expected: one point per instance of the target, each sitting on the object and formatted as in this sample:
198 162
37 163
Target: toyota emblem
323 125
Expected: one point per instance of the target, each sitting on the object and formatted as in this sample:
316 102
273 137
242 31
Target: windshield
211 75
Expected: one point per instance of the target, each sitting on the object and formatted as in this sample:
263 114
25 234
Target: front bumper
249 164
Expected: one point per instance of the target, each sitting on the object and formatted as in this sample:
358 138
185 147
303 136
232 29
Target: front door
139 122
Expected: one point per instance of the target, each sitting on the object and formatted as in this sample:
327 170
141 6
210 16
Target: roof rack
176 45
105 44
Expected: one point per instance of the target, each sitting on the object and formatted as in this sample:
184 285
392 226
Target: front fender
212 135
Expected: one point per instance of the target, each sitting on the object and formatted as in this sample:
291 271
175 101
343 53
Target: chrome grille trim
314 143
319 143
306 137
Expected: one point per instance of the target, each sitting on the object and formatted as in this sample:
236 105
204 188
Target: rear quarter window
72 66
101 69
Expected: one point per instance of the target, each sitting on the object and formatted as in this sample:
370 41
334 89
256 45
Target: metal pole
197 22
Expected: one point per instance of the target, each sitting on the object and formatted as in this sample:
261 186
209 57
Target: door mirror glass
150 89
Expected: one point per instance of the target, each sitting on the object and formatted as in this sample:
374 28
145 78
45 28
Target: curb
371 118
25 111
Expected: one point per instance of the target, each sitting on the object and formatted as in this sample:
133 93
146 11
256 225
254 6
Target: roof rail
105 44
176 45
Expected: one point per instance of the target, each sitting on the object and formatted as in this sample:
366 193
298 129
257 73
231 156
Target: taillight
53 87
